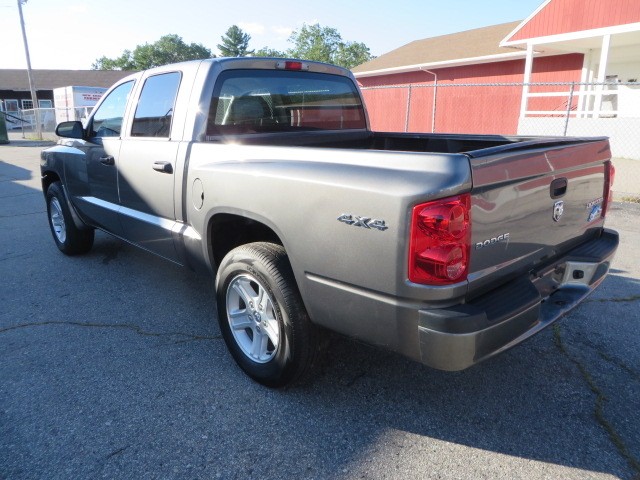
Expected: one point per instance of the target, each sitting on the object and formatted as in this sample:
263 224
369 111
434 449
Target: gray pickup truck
263 172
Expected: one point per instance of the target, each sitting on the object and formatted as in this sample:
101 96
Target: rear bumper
457 337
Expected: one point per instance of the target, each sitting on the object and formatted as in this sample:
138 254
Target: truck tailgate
532 202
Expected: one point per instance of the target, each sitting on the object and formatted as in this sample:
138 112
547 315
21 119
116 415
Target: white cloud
282 32
252 28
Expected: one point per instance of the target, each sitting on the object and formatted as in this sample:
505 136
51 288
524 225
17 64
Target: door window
107 121
155 107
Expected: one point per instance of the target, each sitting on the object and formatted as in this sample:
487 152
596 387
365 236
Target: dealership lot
112 366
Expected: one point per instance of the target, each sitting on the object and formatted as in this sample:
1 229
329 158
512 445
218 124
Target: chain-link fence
551 109
26 121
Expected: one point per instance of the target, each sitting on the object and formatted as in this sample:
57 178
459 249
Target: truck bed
473 145
512 202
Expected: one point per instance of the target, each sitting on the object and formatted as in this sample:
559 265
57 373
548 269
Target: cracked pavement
111 366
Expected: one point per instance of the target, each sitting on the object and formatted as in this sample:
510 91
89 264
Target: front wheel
69 239
262 317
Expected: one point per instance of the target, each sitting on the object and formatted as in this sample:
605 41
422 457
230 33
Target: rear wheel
262 317
69 239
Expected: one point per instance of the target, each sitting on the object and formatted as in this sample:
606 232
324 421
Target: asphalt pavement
112 366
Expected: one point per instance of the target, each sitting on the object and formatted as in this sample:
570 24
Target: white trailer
75 103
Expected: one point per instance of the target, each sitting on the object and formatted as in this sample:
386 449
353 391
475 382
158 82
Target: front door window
107 120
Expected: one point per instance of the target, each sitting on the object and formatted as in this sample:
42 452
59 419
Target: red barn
487 80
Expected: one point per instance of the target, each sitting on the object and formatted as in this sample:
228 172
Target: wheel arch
228 230
48 177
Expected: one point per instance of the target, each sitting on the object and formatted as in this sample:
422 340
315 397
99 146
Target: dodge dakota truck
446 248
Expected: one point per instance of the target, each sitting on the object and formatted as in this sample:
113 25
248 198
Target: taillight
440 243
609 177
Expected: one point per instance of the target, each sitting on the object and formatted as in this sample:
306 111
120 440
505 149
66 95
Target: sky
72 34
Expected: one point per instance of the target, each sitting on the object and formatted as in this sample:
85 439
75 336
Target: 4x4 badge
366 222
558 210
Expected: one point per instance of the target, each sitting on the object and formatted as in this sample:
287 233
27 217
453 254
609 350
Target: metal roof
479 42
17 79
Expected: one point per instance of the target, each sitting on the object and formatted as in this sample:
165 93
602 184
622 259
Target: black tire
264 267
69 239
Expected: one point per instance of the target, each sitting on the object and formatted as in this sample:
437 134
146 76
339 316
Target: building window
45 104
11 105
27 104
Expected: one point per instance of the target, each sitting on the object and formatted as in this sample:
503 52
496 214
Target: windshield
260 101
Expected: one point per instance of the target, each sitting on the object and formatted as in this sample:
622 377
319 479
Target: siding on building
568 16
25 95
466 109
14 83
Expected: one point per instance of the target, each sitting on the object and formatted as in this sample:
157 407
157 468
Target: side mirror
70 130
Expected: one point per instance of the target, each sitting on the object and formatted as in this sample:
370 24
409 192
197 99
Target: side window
155 107
107 121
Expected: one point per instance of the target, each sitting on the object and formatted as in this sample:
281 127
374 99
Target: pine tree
235 43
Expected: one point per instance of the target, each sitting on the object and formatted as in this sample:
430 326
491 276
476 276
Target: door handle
108 160
558 187
163 167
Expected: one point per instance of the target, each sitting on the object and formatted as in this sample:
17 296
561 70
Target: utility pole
34 98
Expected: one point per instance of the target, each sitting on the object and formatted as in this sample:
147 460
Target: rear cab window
154 111
264 101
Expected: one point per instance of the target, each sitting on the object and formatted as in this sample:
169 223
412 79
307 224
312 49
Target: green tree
235 43
352 54
313 42
123 62
325 44
269 52
169 49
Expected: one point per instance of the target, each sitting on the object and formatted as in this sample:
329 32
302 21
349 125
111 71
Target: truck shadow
10 172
